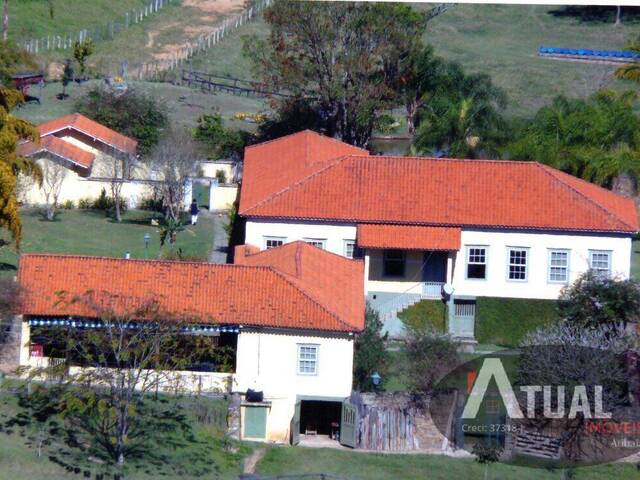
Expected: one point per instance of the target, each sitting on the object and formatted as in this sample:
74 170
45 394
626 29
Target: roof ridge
306 130
141 260
444 159
291 186
551 172
311 297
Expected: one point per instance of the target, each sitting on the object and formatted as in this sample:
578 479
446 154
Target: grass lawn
32 19
18 460
183 105
89 232
368 466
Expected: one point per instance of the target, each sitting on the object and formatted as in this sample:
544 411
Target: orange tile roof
82 124
272 166
430 191
59 148
340 291
408 237
255 295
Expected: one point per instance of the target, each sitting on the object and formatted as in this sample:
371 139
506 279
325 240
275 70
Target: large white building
436 228
290 315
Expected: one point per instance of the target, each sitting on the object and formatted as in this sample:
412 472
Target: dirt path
204 17
252 460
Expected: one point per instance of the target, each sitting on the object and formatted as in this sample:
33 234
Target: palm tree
632 70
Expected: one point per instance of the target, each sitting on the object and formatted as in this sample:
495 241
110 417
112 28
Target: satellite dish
447 289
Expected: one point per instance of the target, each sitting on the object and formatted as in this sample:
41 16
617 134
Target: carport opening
320 418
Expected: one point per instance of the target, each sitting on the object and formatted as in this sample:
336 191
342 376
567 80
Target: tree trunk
618 15
411 108
117 207
5 21
51 212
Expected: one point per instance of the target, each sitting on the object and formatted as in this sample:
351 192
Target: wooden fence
212 82
106 31
205 41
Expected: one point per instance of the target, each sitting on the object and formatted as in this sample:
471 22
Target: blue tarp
585 52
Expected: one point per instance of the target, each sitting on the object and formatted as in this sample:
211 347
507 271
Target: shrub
505 321
220 140
221 176
130 113
105 203
432 356
152 204
426 315
179 256
68 205
592 301
85 203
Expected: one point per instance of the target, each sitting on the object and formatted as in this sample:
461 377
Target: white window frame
357 251
600 272
268 237
467 263
316 360
526 264
550 253
316 242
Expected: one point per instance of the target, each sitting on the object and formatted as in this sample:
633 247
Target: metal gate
349 424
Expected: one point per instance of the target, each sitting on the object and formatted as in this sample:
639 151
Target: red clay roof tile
255 295
408 237
272 166
82 124
332 280
59 148
429 191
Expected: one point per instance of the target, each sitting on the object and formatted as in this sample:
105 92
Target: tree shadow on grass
7 267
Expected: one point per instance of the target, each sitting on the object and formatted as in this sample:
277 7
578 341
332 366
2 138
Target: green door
255 422
295 425
348 425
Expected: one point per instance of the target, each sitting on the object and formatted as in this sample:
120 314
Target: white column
25 335
450 267
366 271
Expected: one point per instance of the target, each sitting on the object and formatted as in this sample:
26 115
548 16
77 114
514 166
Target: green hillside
33 18
501 40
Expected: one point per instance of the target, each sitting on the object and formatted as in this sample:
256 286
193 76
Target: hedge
425 314
505 321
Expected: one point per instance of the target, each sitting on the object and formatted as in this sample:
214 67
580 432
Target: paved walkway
220 247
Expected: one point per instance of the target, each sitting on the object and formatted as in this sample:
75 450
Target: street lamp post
147 239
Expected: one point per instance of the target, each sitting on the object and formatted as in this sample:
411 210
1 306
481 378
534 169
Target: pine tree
12 130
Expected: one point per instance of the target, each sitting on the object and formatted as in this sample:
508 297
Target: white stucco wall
268 362
495 285
334 233
536 286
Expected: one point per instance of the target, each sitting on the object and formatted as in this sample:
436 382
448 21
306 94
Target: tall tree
175 159
134 355
597 139
370 352
12 130
341 58
463 119
422 73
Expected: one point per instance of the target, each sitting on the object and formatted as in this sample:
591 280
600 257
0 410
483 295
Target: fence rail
211 82
106 31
